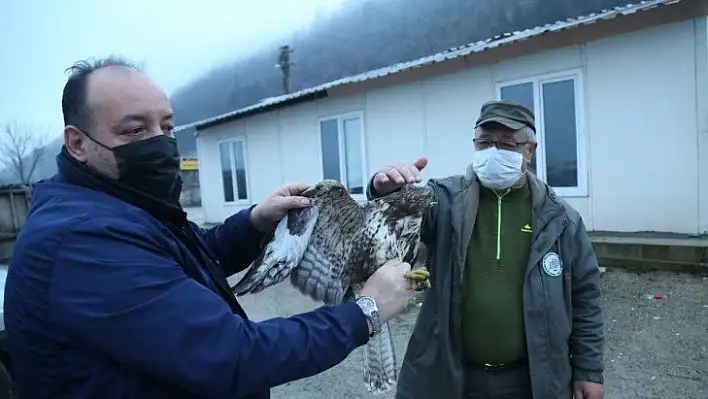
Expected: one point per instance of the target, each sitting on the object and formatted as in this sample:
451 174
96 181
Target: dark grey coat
563 318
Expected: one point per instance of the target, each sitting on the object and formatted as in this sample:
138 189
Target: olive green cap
508 113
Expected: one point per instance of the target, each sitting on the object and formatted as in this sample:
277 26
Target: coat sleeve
429 220
236 242
115 292
586 338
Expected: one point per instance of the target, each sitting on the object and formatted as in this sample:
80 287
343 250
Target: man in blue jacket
112 293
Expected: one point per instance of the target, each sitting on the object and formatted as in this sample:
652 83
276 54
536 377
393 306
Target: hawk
330 249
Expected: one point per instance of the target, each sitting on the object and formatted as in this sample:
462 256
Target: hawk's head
326 186
411 200
331 189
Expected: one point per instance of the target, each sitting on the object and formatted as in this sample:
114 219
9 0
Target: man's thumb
421 163
294 202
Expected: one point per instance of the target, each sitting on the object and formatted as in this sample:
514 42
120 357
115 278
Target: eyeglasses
502 145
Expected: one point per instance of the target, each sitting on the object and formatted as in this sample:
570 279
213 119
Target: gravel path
656 348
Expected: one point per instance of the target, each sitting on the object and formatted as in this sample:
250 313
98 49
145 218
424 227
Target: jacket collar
71 171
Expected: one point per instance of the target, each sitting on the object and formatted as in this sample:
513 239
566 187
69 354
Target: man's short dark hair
73 100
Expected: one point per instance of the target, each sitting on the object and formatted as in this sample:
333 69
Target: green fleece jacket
497 255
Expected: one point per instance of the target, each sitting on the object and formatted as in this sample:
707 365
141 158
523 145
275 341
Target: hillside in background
361 36
365 35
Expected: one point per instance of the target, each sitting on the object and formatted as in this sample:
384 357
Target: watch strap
375 323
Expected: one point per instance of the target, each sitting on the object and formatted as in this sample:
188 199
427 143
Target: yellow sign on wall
189 164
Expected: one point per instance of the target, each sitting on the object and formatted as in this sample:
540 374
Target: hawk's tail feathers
282 253
380 373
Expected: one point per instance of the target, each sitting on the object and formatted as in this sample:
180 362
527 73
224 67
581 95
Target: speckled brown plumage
330 249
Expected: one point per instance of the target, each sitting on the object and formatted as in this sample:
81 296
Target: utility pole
284 64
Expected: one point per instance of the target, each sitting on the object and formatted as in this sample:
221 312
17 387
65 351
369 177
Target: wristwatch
368 306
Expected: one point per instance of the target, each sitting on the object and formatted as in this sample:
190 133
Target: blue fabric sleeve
116 292
236 242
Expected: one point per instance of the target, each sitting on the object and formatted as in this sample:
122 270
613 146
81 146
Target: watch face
367 305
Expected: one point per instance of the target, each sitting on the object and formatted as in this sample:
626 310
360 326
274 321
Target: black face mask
150 166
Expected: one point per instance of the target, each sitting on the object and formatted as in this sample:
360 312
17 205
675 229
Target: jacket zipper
499 224
499 221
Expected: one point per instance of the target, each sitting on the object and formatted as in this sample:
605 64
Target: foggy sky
175 41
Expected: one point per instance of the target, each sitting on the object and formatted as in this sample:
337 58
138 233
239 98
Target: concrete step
645 252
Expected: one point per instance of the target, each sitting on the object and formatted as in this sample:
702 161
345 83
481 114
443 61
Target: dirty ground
656 326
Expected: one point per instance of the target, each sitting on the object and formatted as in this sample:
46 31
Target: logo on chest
552 264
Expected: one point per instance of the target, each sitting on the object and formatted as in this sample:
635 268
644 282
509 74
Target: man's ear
528 157
532 151
75 143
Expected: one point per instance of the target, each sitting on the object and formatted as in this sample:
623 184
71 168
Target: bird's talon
419 279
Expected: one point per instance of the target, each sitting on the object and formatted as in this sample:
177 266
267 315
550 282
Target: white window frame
581 190
234 180
342 153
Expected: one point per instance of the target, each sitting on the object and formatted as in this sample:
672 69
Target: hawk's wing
283 252
322 275
326 269
314 246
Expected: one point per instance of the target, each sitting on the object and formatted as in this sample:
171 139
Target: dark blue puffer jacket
103 301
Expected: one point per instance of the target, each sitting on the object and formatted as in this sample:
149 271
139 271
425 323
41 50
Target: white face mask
497 169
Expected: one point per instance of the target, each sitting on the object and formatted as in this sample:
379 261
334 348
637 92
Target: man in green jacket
514 307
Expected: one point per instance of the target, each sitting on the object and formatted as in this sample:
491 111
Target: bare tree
21 149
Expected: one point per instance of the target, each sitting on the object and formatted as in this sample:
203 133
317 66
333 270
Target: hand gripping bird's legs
419 278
